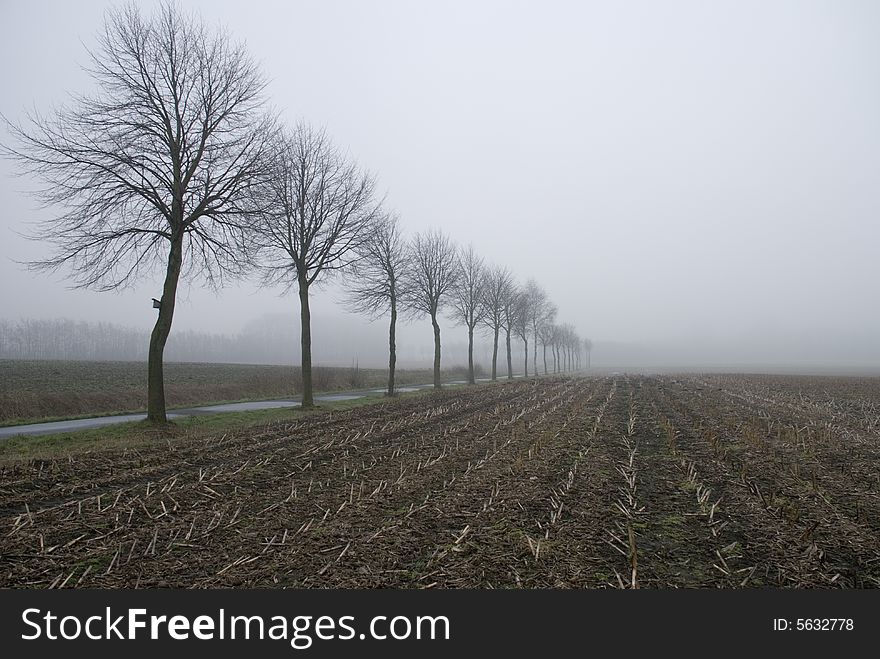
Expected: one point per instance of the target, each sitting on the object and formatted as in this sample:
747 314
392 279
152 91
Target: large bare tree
467 298
433 271
497 285
155 167
377 280
317 208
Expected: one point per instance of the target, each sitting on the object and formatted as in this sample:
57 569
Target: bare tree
433 272
467 298
519 321
547 332
576 343
569 341
317 208
537 308
154 168
377 279
557 347
588 348
511 307
560 340
550 337
497 286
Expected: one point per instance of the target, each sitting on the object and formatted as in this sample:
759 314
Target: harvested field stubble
602 482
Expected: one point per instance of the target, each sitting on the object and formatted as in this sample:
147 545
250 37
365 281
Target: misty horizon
274 340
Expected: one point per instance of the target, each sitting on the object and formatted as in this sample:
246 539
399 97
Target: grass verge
140 433
24 448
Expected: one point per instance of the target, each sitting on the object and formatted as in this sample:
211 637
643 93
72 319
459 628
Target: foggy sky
694 182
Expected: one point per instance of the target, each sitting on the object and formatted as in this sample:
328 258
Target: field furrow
556 482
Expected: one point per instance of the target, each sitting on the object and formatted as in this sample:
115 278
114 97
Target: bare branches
467 298
548 331
377 274
538 306
497 288
518 314
433 272
156 167
316 209
167 147
378 280
467 295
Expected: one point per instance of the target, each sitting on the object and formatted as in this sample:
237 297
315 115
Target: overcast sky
680 172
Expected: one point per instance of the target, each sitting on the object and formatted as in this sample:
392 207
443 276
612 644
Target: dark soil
564 483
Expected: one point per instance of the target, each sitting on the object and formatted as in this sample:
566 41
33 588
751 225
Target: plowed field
625 481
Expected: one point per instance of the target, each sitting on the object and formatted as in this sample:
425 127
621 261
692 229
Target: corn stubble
617 482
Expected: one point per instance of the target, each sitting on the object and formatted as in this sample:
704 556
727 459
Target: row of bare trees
174 162
430 276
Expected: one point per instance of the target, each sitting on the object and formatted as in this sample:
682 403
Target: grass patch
141 433
43 391
140 410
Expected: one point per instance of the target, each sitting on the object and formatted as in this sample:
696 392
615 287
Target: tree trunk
471 379
526 351
535 349
544 347
392 346
588 359
535 353
159 336
495 356
436 351
305 316
509 356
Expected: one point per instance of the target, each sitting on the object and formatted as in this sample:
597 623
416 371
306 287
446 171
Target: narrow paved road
73 425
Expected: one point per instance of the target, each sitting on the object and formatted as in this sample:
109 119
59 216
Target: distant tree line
174 163
65 339
269 340
68 339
